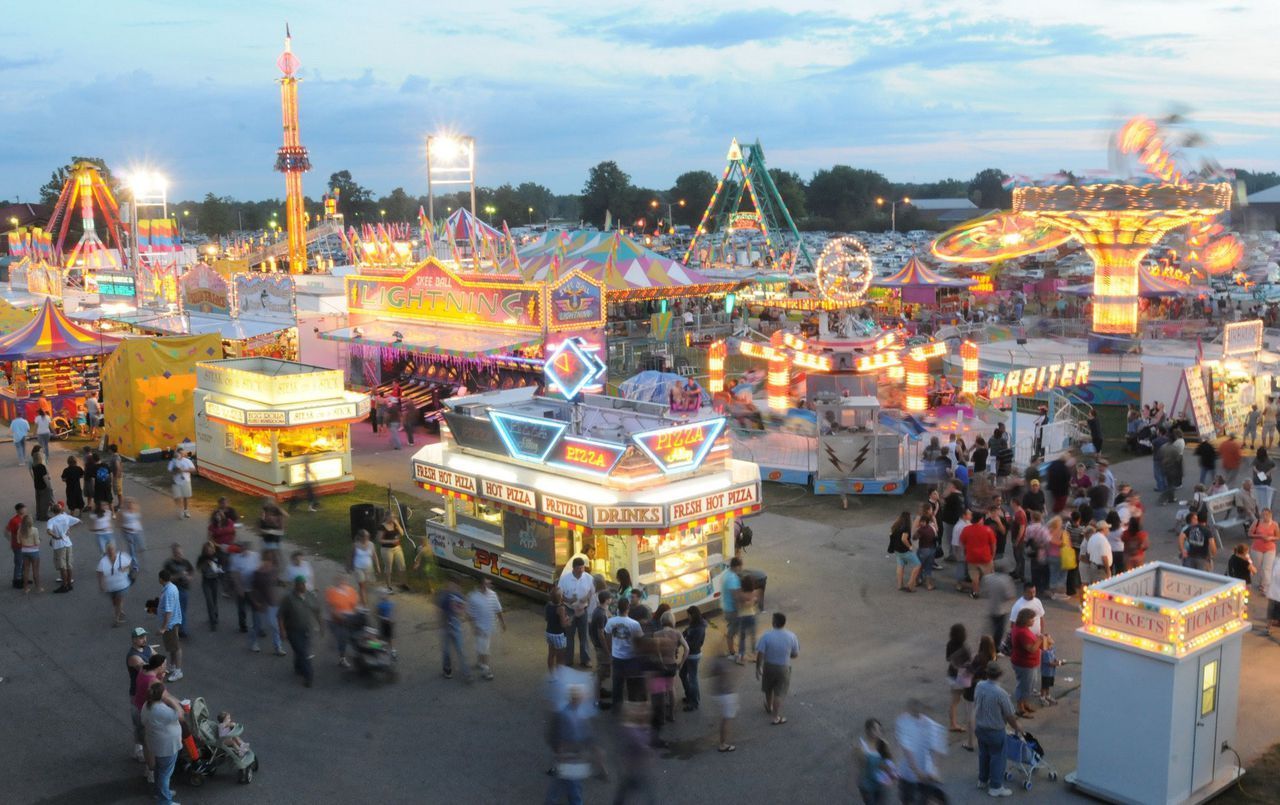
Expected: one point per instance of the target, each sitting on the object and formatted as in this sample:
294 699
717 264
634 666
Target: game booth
531 481
268 427
51 358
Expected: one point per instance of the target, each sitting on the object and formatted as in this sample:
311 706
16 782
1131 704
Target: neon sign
598 458
683 447
983 284
570 368
525 437
1034 379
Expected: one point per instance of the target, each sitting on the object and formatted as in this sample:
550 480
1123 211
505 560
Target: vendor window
250 442
310 441
1209 688
479 514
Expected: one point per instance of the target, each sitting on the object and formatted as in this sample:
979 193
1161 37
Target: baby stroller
212 753
372 655
1025 753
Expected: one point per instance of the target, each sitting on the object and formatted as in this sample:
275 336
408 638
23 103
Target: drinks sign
683 447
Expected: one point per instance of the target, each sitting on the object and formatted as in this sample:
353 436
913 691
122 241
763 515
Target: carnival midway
508 512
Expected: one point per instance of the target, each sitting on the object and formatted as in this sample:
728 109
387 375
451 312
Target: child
225 729
1219 485
1049 663
386 622
1240 566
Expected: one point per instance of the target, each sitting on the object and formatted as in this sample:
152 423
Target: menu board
1199 402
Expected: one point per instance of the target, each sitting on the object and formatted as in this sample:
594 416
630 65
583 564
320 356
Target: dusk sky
916 91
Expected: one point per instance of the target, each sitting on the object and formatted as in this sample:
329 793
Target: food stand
51 358
531 481
1161 679
263 425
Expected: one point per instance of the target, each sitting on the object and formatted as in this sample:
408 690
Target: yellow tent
147 390
11 318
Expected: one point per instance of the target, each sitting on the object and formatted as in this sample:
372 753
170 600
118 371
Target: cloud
21 62
725 30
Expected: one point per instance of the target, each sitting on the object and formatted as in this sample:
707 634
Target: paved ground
865 649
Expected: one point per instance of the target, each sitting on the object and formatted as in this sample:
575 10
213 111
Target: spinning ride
843 272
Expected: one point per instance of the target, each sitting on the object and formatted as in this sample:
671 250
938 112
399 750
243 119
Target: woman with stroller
162 722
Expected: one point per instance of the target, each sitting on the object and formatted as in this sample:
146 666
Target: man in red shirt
979 543
1231 454
15 522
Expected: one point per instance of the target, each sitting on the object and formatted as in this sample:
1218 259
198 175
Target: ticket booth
1161 669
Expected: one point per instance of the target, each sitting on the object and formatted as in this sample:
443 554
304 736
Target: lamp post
489 210
451 159
671 221
531 216
893 210
146 189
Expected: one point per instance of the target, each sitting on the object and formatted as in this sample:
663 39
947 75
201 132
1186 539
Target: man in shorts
181 468
485 611
169 611
392 552
724 687
59 528
979 543
116 465
730 586
774 652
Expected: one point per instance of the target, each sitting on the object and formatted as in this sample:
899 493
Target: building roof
1269 196
943 204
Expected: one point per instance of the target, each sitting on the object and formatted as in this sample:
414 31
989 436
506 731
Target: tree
607 189
215 215
1256 182
987 190
846 196
791 189
354 202
400 206
695 188
51 189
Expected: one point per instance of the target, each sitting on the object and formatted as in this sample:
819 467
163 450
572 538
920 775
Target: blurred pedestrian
724 689
131 527
73 483
41 483
452 611
299 617
15 543
958 657
774 652
341 599
670 650
877 770
100 525
20 430
636 756
244 563
484 610
573 746
180 571
921 739
113 579
211 572
695 634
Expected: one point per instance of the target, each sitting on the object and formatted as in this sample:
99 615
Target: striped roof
52 335
915 274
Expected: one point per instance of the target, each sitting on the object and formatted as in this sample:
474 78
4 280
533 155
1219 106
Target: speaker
367 516
1022 341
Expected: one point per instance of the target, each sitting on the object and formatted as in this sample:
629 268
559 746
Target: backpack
742 539
102 475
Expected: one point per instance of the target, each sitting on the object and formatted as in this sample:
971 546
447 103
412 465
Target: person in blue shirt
169 611
730 587
774 652
1049 663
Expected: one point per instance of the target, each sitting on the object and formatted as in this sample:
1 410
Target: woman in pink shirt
1265 532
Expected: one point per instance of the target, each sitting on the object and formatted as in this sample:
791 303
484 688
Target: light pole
146 189
893 210
489 210
531 216
453 159
671 221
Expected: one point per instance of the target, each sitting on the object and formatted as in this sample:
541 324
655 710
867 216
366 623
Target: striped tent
52 335
463 226
915 274
633 271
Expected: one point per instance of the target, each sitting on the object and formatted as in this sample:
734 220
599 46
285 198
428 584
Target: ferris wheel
843 271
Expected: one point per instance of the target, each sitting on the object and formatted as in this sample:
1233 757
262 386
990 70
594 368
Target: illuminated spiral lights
969 368
777 384
843 271
917 369
715 367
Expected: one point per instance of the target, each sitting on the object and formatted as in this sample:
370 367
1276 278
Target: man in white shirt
483 610
579 590
1028 601
59 529
1098 549
20 429
919 738
181 468
620 633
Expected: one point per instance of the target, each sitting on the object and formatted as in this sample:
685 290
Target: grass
1260 782
326 532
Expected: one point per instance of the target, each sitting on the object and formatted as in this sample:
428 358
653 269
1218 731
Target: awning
195 324
432 339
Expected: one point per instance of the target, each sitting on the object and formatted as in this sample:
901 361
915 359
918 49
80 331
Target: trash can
367 516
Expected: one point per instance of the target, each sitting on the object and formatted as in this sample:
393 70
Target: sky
917 91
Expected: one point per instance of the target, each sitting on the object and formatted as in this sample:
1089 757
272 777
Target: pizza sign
586 455
683 447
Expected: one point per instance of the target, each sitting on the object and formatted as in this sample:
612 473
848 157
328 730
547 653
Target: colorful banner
576 301
429 292
157 235
157 285
205 291
265 297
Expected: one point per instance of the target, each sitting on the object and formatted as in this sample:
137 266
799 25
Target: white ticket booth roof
1161 667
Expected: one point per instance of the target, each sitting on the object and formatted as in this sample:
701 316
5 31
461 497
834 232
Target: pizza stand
532 481
264 425
1159 699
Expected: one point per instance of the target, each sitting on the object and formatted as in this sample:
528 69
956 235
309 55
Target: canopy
462 225
634 271
52 335
916 274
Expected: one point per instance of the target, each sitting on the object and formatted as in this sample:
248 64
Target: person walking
999 590
621 635
180 571
484 610
926 540
1251 426
393 422
1262 551
572 744
102 490
134 661
341 599
730 588
15 543
29 547
299 619
44 430
452 610
1207 455
775 650
163 727
59 531
877 769
557 623
979 543
578 589
271 526
264 597
20 430
210 569
1098 552
1232 457
113 579
131 526
992 712
73 482
1136 543
669 650
908 564
958 677
116 465
363 564
100 526
392 553
42 484
695 634
169 611
180 469
921 739
952 512
1196 545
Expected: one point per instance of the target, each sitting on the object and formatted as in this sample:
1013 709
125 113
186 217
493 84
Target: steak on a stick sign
430 292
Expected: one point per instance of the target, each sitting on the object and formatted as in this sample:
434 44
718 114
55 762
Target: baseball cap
138 631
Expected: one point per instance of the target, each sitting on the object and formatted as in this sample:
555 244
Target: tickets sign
680 448
1022 382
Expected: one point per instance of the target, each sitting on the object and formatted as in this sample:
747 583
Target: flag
511 244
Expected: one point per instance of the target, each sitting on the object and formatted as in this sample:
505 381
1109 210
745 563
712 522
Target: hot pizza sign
679 448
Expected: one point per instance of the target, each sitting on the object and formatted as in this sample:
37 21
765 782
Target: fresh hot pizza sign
682 447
